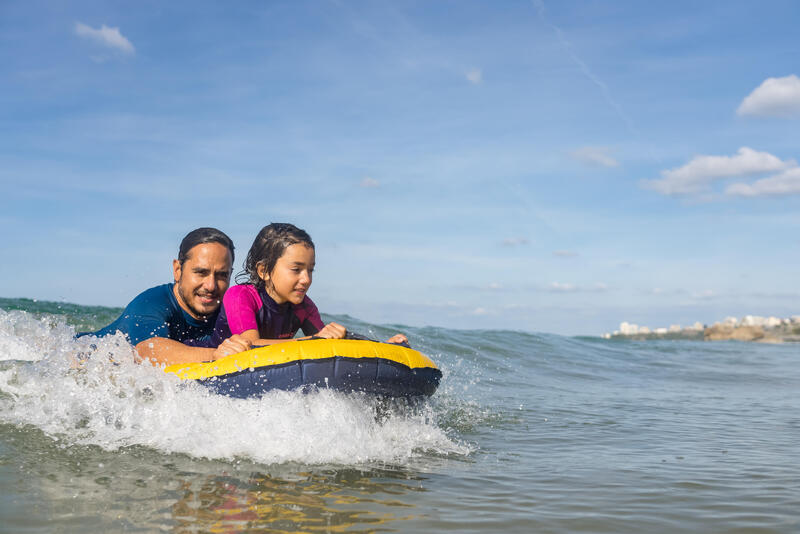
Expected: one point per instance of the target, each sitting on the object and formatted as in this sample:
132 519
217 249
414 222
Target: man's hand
232 345
332 331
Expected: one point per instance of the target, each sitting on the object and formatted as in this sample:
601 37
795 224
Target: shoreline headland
748 328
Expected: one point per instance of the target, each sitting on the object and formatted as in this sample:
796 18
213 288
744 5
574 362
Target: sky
537 166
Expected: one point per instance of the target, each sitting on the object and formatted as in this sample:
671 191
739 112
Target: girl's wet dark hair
202 236
268 246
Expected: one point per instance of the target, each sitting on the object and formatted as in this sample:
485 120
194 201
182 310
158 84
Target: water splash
106 400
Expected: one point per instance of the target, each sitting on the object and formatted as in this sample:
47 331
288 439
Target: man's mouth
207 298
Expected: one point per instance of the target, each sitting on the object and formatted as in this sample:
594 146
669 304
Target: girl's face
291 276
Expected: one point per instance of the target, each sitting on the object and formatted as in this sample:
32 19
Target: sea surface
527 433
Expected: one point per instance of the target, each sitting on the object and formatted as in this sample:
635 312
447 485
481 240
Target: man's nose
209 283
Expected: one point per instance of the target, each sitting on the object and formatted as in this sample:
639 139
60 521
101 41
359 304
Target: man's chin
206 310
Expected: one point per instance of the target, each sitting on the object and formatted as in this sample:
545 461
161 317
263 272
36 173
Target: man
173 323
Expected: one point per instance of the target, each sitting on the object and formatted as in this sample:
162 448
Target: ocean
527 433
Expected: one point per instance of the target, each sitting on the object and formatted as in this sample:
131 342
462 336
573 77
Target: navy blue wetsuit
156 313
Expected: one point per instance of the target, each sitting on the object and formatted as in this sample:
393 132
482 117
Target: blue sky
539 166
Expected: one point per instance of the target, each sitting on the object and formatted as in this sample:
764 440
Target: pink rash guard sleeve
241 306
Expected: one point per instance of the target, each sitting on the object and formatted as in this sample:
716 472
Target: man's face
202 279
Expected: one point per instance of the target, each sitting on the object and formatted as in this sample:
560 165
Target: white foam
115 404
24 336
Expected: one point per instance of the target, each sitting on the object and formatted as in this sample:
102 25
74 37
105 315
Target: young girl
272 305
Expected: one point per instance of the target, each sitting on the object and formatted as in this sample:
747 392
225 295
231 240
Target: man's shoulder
157 292
159 297
145 316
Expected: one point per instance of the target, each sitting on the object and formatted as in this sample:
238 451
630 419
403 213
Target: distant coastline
748 328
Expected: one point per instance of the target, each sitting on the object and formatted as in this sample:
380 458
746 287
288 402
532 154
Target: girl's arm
398 339
329 331
312 324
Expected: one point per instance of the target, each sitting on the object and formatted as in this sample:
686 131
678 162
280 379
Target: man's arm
160 350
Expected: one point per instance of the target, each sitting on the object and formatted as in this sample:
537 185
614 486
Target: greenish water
82 318
527 433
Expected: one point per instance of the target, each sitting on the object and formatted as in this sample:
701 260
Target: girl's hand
232 345
332 331
398 339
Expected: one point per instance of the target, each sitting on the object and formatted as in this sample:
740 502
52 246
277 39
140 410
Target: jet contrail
540 7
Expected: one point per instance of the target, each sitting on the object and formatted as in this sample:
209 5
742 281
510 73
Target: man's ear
176 269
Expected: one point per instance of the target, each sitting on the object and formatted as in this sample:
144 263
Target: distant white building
765 322
628 329
752 320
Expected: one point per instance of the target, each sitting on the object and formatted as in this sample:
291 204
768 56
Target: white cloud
369 182
785 183
775 97
474 76
562 287
515 241
706 294
596 156
565 253
105 36
698 175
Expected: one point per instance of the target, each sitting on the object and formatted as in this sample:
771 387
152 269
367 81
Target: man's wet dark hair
200 237
268 246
